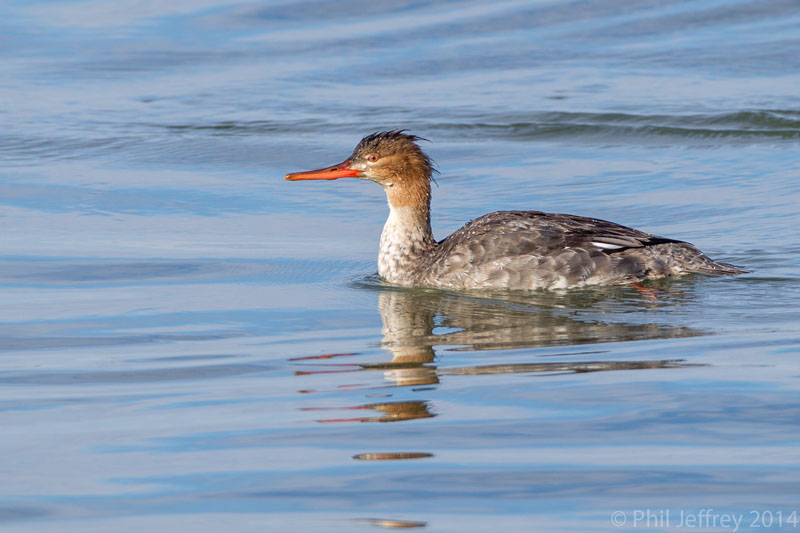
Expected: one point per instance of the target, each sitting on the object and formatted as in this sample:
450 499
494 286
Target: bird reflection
388 412
418 322
411 320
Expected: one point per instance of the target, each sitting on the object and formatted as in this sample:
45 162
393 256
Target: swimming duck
506 250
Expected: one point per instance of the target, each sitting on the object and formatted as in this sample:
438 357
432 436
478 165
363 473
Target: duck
503 250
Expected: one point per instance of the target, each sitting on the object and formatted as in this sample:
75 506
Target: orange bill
342 170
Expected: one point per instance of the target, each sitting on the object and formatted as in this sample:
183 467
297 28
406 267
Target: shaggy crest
392 142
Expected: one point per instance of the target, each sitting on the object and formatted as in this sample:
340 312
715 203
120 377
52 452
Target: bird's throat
406 241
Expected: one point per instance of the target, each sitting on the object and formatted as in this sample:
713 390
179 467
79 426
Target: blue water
189 343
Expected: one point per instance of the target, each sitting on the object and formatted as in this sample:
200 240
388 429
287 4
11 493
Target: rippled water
188 342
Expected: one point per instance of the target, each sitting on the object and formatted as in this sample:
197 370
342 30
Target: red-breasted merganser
512 250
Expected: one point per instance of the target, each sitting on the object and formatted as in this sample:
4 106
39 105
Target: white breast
401 241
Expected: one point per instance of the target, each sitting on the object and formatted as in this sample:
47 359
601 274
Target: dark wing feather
589 232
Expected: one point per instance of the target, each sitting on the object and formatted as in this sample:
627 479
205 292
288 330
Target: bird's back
533 250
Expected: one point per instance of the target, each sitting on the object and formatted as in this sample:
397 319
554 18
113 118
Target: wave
714 129
746 125
749 126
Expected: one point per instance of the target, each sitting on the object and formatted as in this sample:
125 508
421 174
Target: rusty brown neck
407 238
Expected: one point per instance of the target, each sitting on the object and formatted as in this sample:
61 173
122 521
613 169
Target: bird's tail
709 266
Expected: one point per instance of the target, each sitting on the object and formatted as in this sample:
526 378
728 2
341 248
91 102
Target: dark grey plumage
532 250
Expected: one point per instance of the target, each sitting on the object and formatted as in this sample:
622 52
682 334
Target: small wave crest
740 126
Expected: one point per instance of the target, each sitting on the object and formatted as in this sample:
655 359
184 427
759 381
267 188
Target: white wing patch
606 246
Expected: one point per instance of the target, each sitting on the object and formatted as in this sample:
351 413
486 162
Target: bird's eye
372 158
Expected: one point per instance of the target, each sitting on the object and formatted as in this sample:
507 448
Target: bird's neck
407 238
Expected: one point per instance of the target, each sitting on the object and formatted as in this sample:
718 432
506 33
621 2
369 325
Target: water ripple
751 126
